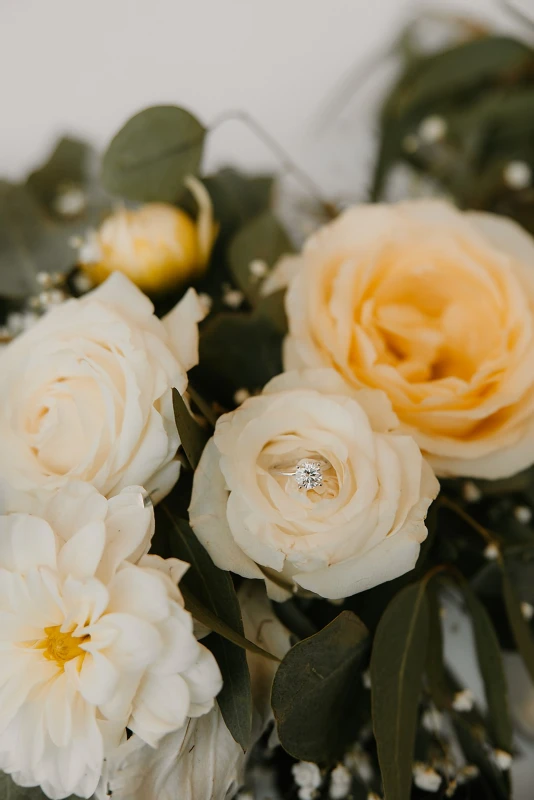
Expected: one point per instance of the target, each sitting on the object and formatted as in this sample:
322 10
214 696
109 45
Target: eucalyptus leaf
435 663
461 69
153 153
397 665
237 197
192 436
30 242
317 690
520 628
238 351
67 166
263 239
202 614
491 666
214 589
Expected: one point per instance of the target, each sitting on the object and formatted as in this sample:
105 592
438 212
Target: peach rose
359 523
435 307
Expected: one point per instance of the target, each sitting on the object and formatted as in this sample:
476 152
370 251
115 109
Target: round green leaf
152 154
317 691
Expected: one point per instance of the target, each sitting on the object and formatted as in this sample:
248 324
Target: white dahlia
94 639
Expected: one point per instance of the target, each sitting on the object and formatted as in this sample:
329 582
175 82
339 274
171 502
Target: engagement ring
308 473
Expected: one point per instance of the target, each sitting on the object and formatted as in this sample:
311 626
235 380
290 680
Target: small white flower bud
426 778
82 282
306 774
502 759
527 611
523 514
258 268
340 783
464 700
491 552
470 492
233 298
70 201
432 129
366 679
240 396
517 175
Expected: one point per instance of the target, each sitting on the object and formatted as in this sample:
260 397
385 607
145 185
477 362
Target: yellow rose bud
158 246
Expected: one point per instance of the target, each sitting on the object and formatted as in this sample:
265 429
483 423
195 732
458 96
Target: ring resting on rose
308 472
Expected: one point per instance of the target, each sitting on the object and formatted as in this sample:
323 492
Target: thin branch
487 535
280 154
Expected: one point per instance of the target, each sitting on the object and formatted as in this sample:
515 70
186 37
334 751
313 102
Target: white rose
202 761
95 639
435 307
362 526
86 394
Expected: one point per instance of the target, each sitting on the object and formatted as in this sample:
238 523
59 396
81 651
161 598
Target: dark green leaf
470 65
520 628
474 747
491 667
272 308
153 153
238 351
435 664
317 689
214 589
397 666
238 198
202 614
192 436
262 239
30 242
68 166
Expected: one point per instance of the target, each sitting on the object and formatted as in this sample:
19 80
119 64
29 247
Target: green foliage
237 198
34 236
238 350
482 89
491 667
261 239
397 666
206 585
317 691
153 153
520 627
192 436
68 166
436 674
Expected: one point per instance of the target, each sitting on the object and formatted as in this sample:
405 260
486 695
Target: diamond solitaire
309 474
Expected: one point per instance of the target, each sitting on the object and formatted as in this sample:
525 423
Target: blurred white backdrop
68 66
85 67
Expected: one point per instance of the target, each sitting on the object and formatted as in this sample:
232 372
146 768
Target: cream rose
86 394
435 307
362 526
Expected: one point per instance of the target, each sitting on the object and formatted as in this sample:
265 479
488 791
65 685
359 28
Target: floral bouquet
225 555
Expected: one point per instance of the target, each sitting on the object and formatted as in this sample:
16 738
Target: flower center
61 647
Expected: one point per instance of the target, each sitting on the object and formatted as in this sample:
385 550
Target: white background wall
84 67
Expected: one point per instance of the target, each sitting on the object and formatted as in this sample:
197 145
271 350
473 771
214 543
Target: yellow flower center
61 647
